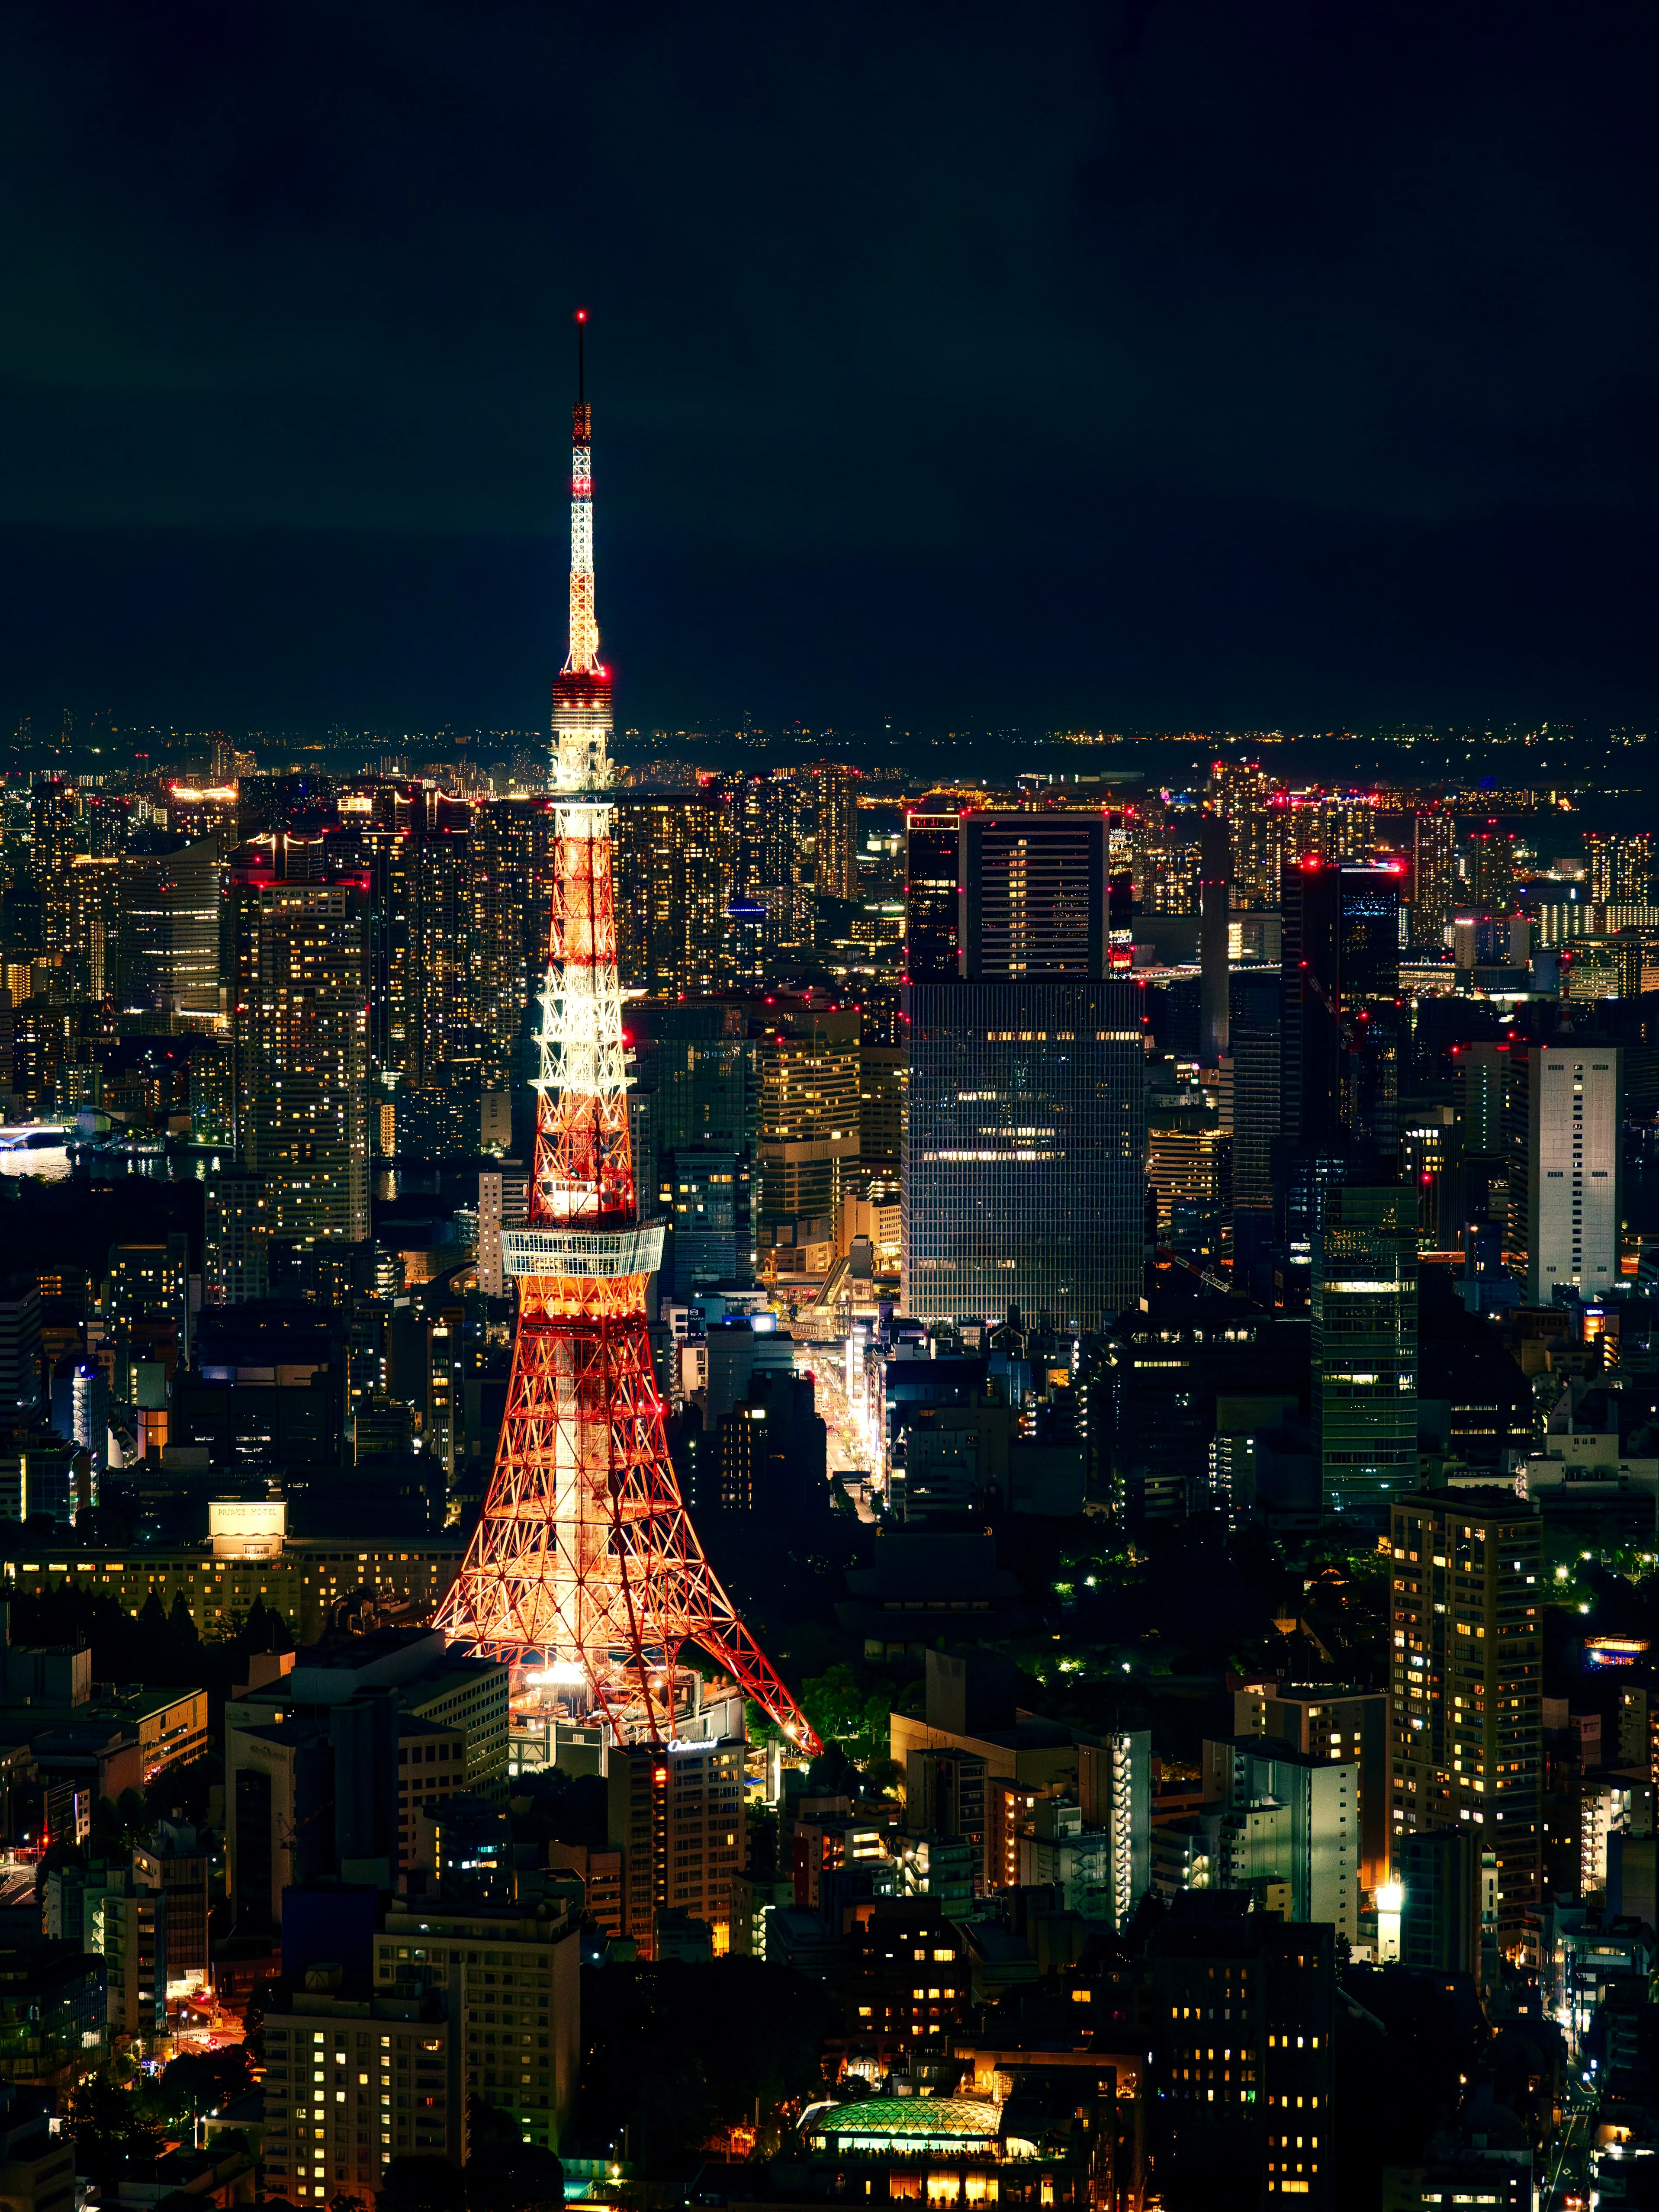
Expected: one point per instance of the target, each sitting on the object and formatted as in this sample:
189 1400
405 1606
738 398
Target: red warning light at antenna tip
581 314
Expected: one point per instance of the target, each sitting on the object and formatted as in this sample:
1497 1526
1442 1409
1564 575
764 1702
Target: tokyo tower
584 1571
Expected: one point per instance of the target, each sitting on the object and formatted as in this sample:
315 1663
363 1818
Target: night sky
1149 365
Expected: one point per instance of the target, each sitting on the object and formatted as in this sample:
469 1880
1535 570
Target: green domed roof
910 2115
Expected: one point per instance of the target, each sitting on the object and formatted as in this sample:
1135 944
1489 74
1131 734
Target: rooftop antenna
581 338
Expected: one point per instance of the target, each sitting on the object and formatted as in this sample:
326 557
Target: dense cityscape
963 1419
852 1402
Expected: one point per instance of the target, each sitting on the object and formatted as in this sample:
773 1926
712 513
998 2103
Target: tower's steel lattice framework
585 1564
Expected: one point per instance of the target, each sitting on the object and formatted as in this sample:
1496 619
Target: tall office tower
443 954
1434 876
299 1031
767 807
1489 863
236 1237
1215 892
1244 2006
197 811
1188 1163
1465 1721
171 917
1310 1019
512 897
678 854
1033 895
1483 1068
1564 1111
1369 973
1239 791
1621 867
1115 1792
1364 1347
696 1073
54 835
95 923
932 919
1168 859
835 788
883 1079
1253 1036
1023 1182
584 1559
388 855
811 1120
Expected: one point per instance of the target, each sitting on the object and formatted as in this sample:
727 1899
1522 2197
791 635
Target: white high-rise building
1564 1108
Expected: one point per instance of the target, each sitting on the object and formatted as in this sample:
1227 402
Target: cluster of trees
117 2128
674 2055
158 1645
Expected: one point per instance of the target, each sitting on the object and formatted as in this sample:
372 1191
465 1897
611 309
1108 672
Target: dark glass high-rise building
1339 988
1023 1154
1369 967
696 1066
930 896
1033 894
1310 1021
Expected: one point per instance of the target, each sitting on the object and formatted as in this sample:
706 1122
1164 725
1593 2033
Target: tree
674 2054
199 2081
521 2178
422 2185
184 1642
110 2126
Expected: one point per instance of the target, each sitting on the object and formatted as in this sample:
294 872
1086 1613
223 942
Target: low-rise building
302 1579
511 1982
352 2082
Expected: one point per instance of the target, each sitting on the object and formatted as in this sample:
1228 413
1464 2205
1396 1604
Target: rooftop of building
918 2119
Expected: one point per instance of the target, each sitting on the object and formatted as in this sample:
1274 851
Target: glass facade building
1023 1182
1364 1347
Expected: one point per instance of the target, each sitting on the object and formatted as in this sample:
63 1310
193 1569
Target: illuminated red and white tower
585 1570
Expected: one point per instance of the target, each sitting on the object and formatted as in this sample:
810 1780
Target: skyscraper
1434 875
96 887
1465 1742
1033 893
811 1119
170 900
931 919
1215 885
678 853
1023 1154
1311 1032
697 1065
1563 1113
1364 1347
300 1029
1253 1036
1621 867
835 826
54 819
236 1237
